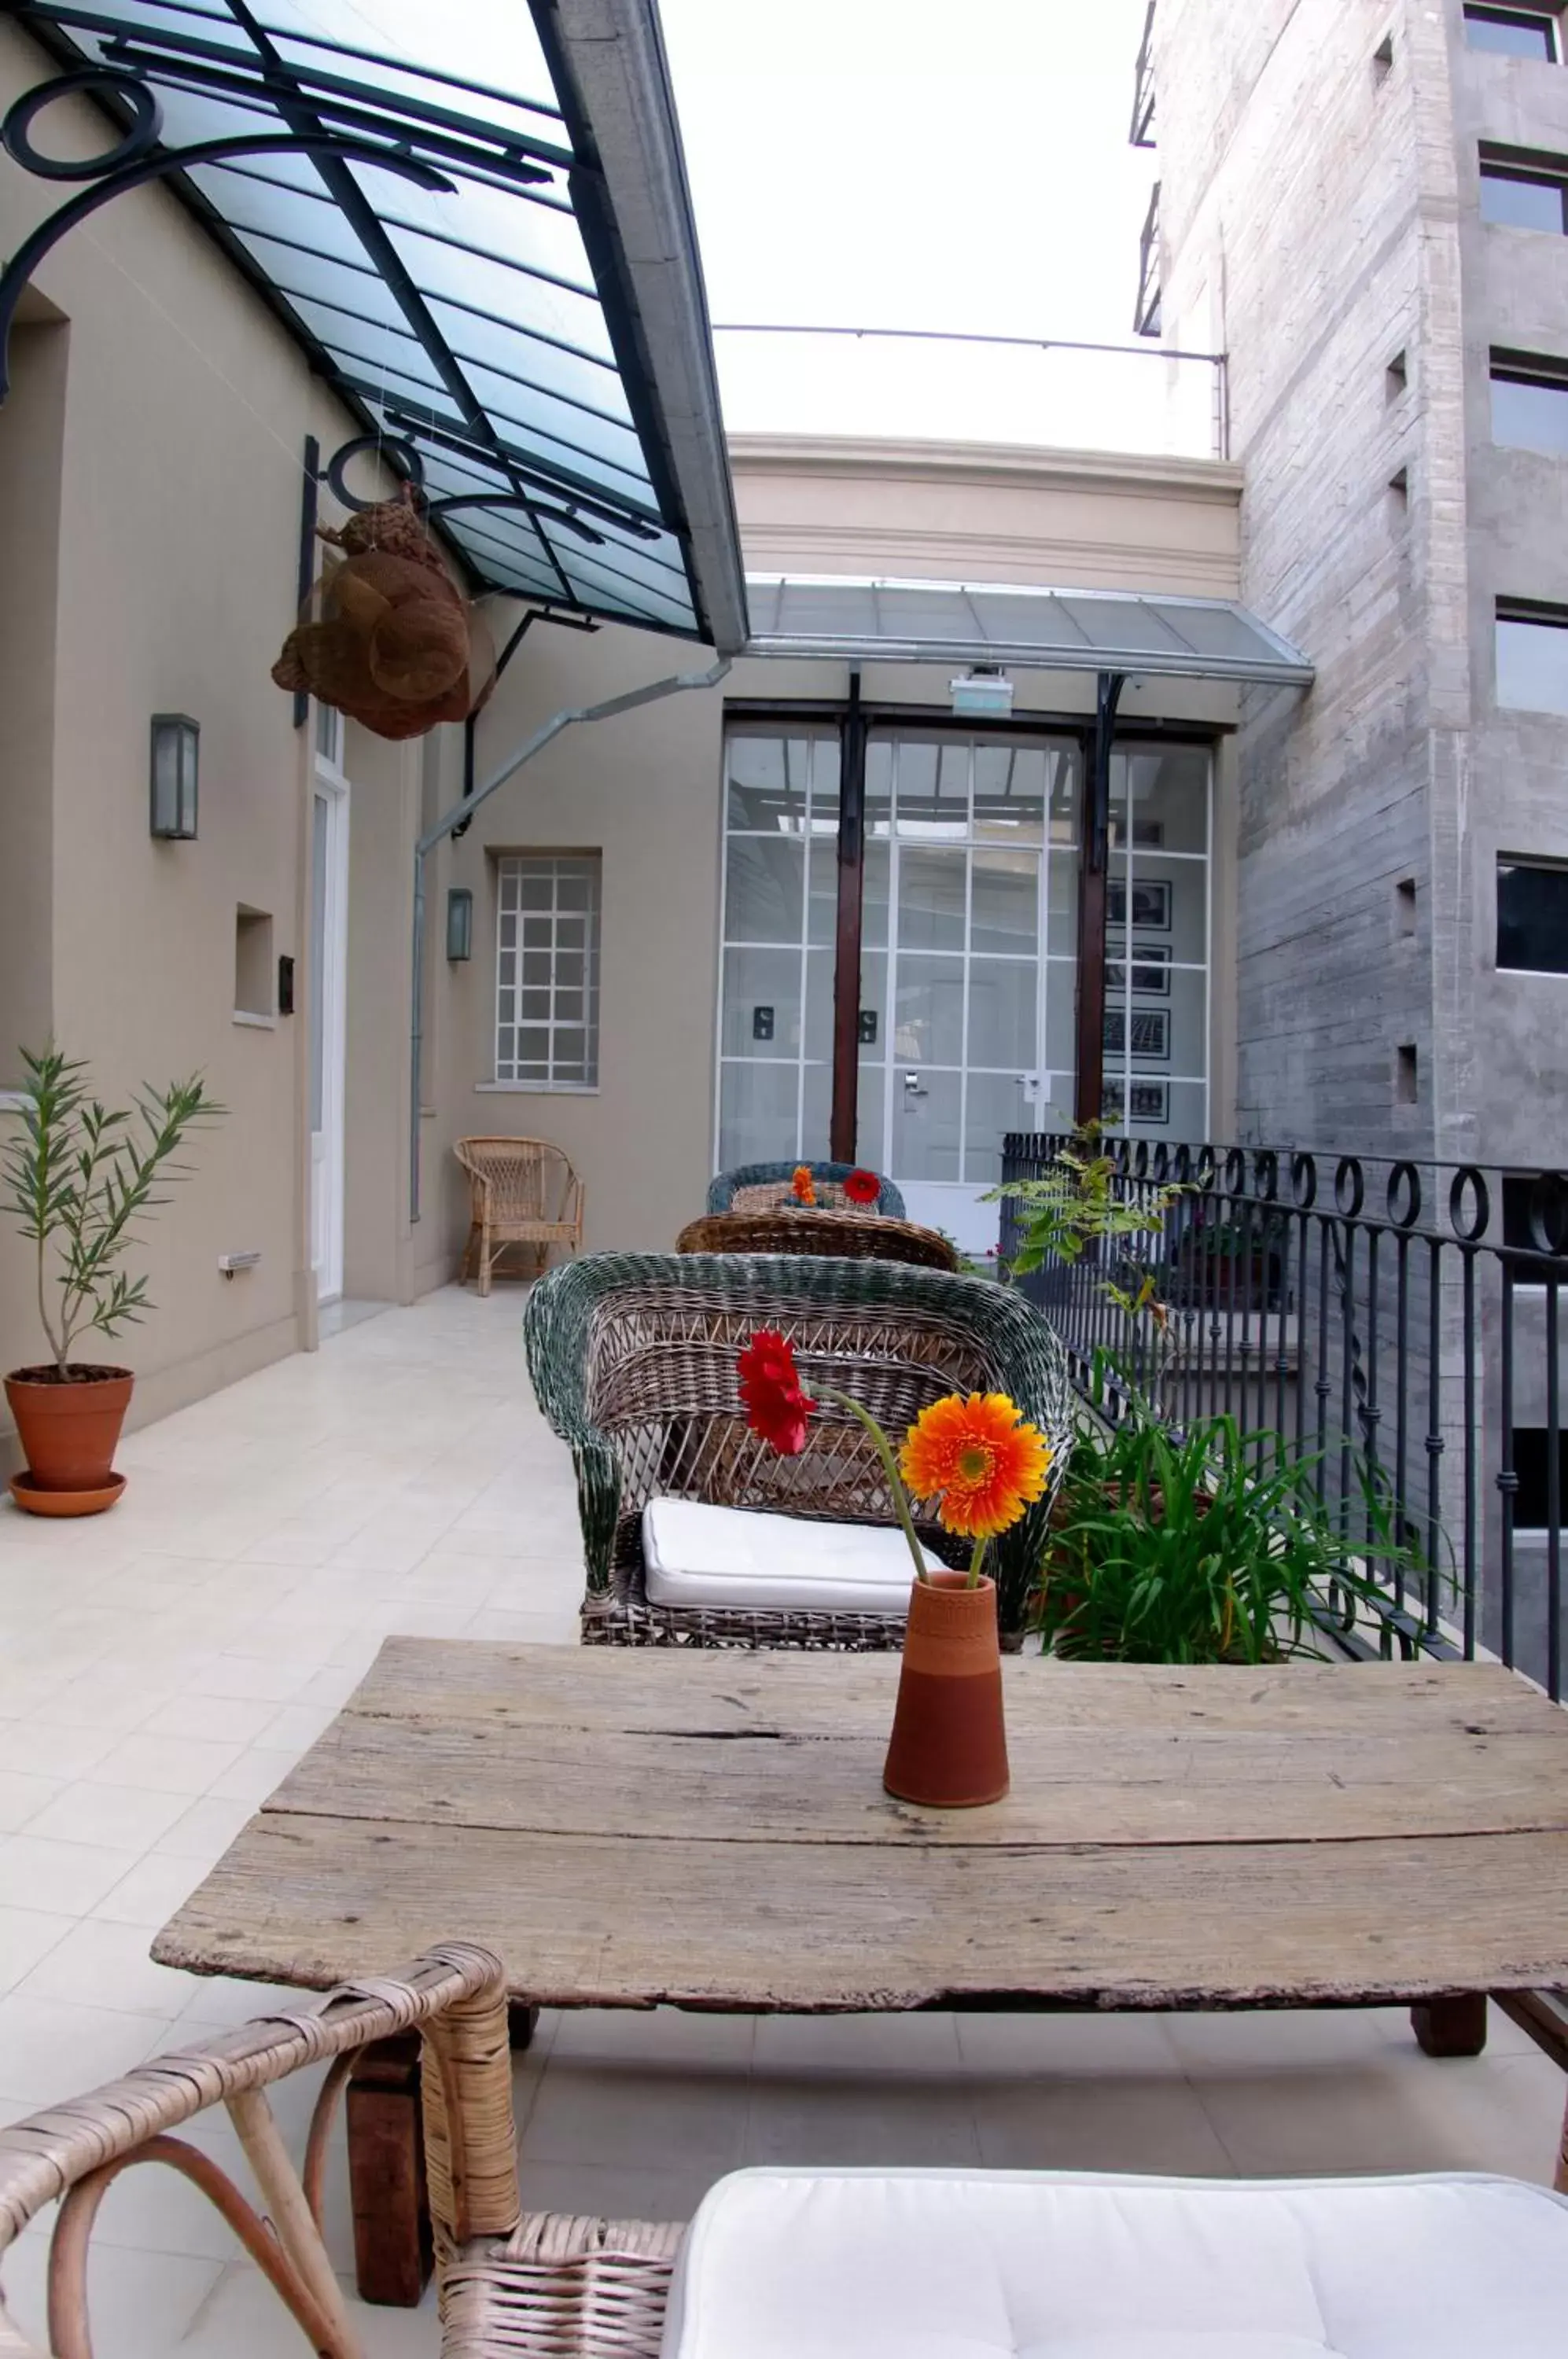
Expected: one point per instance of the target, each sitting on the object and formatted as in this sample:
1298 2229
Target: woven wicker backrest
527 1179
633 1357
757 1187
789 1229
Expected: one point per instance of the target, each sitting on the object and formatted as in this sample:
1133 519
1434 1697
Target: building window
1523 1193
1532 655
1533 916
1532 1465
547 969
780 910
1530 401
1522 190
1512 32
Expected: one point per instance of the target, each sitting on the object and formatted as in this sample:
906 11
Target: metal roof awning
475 218
1029 630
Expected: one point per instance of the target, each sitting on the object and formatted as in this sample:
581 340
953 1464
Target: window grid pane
547 969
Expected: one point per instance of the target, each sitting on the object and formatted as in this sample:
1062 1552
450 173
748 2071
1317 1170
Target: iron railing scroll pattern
1380 1320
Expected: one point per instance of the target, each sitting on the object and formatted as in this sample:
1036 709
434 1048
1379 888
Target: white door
328 975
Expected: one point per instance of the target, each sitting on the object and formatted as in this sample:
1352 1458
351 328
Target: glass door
1157 926
967 975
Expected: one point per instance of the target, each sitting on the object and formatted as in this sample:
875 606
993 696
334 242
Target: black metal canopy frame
444 248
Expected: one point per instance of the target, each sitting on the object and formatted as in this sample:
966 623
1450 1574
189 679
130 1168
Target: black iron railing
1142 132
1394 1325
1146 319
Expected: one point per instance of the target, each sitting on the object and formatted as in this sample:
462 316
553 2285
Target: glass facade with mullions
969 955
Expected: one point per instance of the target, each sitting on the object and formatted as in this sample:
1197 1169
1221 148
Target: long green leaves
77 1180
1211 1546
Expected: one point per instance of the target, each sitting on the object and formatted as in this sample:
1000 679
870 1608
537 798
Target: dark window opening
1405 902
1521 190
1529 1196
1383 58
1532 1465
1397 378
1512 32
1406 1077
1530 401
1533 916
1531 655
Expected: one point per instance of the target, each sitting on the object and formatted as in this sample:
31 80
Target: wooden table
706 1829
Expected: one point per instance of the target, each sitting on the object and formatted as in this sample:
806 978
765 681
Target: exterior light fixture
984 693
175 741
458 923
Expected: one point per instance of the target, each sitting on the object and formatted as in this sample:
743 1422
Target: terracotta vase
949 1748
70 1431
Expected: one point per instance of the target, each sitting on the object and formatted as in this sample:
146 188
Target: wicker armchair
847 1236
758 1187
510 2284
523 1192
633 1358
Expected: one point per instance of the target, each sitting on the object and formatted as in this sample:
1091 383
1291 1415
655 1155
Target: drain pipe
461 811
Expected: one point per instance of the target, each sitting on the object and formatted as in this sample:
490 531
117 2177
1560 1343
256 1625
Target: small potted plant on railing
76 1182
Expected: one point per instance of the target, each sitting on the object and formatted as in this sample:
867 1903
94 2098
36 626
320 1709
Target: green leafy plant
1206 1547
1074 1204
78 1178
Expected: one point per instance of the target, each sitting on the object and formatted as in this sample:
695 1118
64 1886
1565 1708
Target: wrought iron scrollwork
137 158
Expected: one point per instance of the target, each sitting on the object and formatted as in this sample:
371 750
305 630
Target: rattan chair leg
297 2232
484 1258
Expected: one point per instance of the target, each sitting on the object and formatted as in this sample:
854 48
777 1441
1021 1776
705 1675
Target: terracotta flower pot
70 1431
949 1748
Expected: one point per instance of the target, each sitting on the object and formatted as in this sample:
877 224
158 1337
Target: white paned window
547 969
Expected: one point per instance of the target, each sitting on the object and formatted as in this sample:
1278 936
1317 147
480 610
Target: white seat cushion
698 1555
1014 2265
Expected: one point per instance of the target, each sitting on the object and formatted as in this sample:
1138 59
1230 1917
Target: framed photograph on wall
1151 1033
1151 1102
1150 904
1150 972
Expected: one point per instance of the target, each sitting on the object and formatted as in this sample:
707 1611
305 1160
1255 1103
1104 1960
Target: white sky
913 163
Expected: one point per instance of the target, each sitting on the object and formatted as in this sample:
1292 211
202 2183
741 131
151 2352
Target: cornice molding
1014 466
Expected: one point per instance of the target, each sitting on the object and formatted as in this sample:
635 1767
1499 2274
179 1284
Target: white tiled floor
161 1666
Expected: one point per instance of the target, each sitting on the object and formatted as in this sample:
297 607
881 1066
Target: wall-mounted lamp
983 693
458 923
175 741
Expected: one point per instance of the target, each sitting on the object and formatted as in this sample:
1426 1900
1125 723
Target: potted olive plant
77 1177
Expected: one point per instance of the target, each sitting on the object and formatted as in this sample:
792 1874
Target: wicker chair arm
456 1994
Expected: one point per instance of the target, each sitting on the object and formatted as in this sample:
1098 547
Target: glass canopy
1038 630
471 296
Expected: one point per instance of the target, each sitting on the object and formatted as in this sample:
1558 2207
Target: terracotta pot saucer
38 1502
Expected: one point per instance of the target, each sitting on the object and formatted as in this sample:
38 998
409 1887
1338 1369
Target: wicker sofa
758 1187
633 1358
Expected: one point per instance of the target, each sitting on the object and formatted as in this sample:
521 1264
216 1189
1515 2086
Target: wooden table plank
599 1922
1163 1786
452 1681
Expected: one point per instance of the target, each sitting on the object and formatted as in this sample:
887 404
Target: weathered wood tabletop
710 1830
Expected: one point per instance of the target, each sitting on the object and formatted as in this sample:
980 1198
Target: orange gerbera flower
804 1184
979 1459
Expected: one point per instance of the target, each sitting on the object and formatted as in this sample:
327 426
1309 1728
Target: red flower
775 1408
862 1187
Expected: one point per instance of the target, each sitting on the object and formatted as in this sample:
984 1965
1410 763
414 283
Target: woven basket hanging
386 637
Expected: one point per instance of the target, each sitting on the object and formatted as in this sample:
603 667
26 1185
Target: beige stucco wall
922 511
181 408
